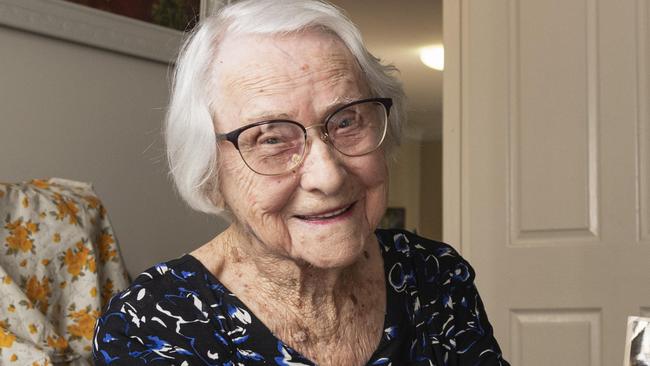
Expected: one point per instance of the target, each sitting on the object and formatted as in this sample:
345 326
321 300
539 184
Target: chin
336 251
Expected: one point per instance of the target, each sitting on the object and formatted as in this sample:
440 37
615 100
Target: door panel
533 331
552 121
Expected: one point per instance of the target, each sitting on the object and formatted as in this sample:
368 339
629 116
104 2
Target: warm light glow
433 57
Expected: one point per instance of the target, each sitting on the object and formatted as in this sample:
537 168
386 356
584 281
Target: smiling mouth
326 216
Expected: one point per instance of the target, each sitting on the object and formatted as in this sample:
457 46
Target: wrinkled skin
298 77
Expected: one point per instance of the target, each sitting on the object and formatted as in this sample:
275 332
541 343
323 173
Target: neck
296 281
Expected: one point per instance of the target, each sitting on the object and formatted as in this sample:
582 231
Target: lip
328 216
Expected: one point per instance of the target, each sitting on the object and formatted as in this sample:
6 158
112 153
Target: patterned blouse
178 313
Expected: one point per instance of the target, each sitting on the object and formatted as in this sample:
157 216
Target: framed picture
394 218
151 29
637 342
180 15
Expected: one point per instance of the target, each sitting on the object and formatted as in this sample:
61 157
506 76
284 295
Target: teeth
331 214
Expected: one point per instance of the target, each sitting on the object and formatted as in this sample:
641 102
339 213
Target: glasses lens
358 129
272 148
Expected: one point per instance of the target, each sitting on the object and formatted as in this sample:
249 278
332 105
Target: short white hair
189 130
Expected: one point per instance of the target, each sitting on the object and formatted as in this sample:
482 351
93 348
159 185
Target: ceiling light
433 57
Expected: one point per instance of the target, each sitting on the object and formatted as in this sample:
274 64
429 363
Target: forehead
285 74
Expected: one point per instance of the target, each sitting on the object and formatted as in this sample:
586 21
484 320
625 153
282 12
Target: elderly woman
281 119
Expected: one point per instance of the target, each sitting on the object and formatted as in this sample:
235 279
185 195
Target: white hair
189 130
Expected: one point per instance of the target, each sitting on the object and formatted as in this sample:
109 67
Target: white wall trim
210 6
81 24
451 127
643 122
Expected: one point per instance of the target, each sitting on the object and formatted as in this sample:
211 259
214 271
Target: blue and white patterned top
178 313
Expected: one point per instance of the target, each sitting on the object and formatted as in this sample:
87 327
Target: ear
213 192
225 212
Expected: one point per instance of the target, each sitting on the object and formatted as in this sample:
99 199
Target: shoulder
173 287
403 240
440 284
404 245
164 293
164 313
178 278
432 267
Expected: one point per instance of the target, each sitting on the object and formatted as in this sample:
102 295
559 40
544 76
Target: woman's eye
345 123
347 120
270 140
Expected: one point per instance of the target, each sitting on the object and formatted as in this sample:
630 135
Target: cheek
377 198
236 182
373 174
251 195
373 171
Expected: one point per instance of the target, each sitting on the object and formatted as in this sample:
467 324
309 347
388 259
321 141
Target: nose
322 169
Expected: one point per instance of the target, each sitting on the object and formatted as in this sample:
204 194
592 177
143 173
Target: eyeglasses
278 146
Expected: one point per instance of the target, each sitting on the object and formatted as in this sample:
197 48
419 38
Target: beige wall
404 189
80 113
431 189
416 184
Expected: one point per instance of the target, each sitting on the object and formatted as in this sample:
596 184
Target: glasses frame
233 136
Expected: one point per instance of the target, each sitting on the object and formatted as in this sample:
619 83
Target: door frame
452 117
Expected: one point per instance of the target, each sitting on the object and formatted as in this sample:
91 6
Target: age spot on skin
300 336
236 257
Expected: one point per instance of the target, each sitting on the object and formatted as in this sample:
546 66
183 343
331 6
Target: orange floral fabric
59 264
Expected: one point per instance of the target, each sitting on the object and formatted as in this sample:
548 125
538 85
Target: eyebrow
339 102
266 116
344 100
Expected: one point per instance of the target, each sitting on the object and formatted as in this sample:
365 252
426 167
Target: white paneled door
547 170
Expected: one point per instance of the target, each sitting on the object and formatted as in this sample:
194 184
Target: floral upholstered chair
59 264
